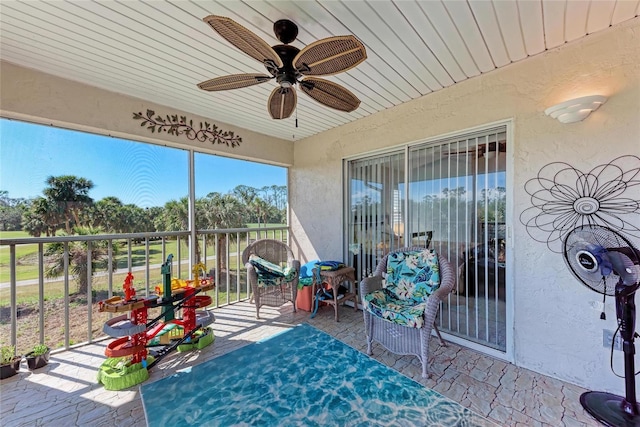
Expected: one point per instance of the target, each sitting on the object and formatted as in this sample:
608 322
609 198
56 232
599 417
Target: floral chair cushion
412 276
384 304
270 274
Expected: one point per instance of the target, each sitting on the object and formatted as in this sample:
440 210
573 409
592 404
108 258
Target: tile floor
65 392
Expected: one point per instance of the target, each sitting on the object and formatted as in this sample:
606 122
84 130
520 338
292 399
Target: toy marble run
141 343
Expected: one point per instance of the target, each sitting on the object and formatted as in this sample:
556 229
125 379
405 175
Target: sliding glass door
449 195
457 191
375 220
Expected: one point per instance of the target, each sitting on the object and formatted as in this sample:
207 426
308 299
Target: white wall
555 330
41 98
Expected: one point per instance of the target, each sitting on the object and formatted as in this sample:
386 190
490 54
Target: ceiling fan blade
330 94
330 56
234 81
282 102
243 39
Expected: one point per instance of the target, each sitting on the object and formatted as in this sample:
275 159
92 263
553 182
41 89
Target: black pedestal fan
607 263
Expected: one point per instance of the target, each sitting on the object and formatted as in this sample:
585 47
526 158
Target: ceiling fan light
286 80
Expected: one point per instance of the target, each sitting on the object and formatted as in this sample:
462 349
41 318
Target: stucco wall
41 98
555 330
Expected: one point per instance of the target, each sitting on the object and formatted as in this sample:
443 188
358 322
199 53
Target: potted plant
38 357
9 362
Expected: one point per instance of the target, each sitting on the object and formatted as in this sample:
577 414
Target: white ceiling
159 50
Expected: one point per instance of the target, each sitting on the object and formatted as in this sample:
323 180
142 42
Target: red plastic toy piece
129 290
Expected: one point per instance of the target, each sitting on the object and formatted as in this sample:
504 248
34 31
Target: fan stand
610 409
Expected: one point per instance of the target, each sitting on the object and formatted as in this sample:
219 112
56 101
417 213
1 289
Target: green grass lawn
27 259
28 295
23 252
54 289
27 268
13 234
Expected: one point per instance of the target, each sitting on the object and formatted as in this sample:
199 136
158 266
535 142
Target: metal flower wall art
564 198
178 125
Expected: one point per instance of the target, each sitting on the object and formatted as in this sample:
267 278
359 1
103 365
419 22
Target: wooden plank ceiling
158 50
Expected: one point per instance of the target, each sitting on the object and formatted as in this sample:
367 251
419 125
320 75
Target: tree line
66 206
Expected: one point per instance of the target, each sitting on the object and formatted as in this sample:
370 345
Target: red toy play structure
128 355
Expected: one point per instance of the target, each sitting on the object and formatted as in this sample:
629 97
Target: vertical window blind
449 195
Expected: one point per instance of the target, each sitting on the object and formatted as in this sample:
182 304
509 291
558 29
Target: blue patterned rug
300 377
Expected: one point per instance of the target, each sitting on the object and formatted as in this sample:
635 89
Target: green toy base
201 339
116 374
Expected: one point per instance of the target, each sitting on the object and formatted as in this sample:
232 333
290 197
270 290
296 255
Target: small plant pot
10 369
36 362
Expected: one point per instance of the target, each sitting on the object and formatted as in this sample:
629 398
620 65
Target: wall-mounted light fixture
575 110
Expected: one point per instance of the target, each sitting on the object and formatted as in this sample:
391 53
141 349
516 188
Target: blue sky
144 174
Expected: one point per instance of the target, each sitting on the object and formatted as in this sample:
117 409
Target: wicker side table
332 280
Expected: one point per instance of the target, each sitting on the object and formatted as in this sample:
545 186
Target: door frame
508 354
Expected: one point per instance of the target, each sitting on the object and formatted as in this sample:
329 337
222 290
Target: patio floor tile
67 393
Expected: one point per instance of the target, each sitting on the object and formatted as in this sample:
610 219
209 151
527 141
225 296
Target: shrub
39 350
7 353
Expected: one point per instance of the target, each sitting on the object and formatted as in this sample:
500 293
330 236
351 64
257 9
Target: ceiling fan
290 66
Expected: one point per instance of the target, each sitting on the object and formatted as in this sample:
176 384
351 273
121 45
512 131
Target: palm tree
223 211
152 218
78 259
261 210
108 214
42 216
176 215
134 219
72 194
33 224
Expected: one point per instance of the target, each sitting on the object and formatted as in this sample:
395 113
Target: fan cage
589 240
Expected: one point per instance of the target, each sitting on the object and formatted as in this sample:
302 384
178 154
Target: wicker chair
399 338
264 291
